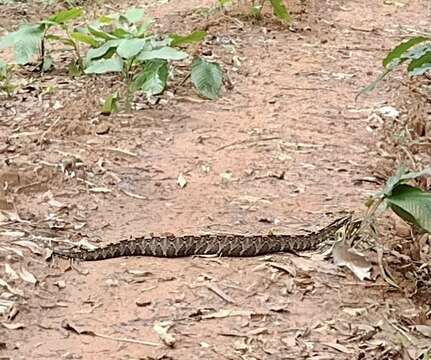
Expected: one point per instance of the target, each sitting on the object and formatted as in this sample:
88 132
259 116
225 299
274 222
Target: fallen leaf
181 181
425 330
228 313
26 275
100 190
339 347
32 246
13 326
345 256
162 328
11 289
10 272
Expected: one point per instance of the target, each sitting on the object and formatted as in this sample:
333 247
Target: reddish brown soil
283 150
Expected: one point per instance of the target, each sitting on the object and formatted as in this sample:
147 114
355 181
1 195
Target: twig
215 289
127 340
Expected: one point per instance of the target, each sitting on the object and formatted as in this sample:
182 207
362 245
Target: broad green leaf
84 38
144 26
104 20
102 66
8 40
395 57
99 33
65 15
27 43
110 105
279 10
207 78
165 53
133 15
102 50
27 40
129 48
420 66
121 33
401 176
153 77
194 37
418 51
412 205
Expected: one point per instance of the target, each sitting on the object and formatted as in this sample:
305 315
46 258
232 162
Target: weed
410 203
256 6
121 43
416 52
5 79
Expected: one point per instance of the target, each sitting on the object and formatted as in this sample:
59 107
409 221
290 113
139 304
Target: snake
226 245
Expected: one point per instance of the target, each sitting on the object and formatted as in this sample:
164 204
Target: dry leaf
425 330
13 326
228 313
100 190
339 347
162 328
27 275
345 256
34 248
11 272
11 289
181 181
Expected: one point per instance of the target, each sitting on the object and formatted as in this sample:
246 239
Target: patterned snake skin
221 245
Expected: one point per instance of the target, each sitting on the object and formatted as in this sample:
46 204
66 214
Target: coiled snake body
221 245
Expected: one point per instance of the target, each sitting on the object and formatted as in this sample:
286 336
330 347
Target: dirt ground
284 150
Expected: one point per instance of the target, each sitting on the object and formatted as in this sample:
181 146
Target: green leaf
194 37
47 63
96 32
144 26
165 53
74 69
395 57
129 48
420 66
207 78
121 33
102 50
412 205
84 38
102 66
133 15
65 15
110 105
27 41
279 10
153 77
3 69
401 176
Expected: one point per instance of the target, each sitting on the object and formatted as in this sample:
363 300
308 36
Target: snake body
222 245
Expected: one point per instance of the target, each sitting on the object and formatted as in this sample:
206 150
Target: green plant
278 8
416 52
31 39
126 45
5 79
120 43
410 203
